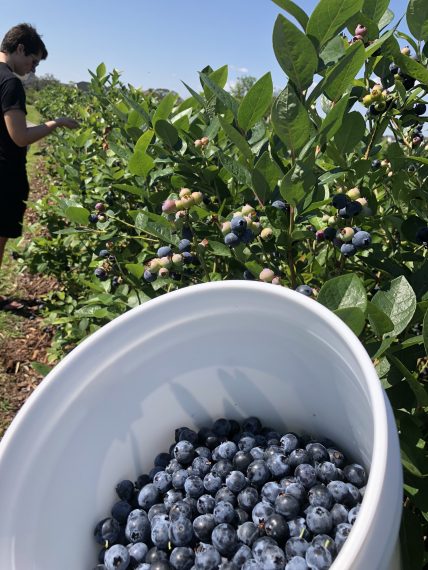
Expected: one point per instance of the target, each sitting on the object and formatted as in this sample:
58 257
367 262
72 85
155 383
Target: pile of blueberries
234 496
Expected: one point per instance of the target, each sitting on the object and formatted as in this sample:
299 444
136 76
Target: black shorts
14 191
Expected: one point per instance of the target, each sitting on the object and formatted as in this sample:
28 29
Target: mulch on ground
25 339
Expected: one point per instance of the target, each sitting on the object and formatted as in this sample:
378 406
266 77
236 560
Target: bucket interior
113 404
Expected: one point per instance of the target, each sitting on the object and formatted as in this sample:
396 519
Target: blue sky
157 43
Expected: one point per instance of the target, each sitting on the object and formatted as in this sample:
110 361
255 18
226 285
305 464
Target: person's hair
26 35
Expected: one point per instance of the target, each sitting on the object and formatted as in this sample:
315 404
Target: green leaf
140 164
77 214
220 94
417 18
298 182
411 540
294 52
294 10
164 108
332 122
143 142
386 19
339 79
235 168
167 132
375 9
144 225
353 317
290 120
351 132
237 139
412 68
413 459
265 176
329 18
196 96
343 292
333 51
219 248
398 303
101 70
379 321
135 269
425 332
374 46
256 102
417 387
41 368
219 76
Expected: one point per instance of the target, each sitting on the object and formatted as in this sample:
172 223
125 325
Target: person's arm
22 135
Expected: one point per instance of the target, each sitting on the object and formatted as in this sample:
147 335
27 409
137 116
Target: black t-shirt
12 96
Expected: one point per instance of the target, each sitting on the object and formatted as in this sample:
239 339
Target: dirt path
24 338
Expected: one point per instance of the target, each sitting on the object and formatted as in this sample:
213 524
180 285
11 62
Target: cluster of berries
166 260
243 227
398 74
360 34
385 163
98 215
202 142
378 100
235 496
102 271
186 200
348 239
415 136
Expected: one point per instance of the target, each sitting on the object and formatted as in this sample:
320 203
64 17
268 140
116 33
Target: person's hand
67 123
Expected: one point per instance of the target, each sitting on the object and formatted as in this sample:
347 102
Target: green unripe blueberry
247 210
266 234
353 193
177 259
154 265
225 228
346 234
165 262
197 197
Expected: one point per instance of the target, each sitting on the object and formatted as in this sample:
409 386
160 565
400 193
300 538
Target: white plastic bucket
224 349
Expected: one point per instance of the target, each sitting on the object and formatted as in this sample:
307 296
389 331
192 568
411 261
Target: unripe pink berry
266 275
205 140
198 142
100 207
169 207
360 30
276 281
163 272
177 259
405 50
225 228
319 235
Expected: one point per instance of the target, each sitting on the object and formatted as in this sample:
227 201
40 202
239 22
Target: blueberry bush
321 187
